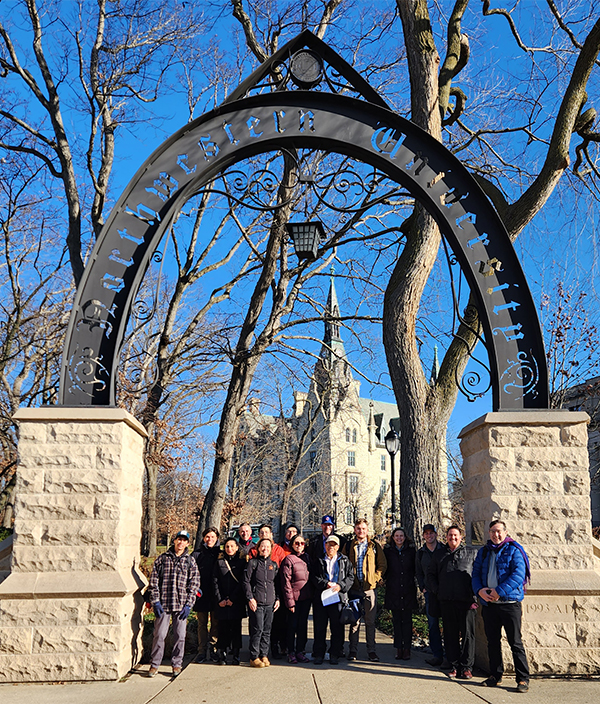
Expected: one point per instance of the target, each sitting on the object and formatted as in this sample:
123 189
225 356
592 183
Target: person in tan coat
369 563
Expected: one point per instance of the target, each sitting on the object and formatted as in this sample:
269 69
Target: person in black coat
449 577
332 571
261 588
401 589
206 558
228 581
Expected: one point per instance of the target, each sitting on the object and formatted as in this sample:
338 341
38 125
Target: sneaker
235 660
266 661
491 681
292 659
523 687
201 657
318 661
301 657
467 674
176 671
351 657
152 672
333 660
257 662
434 662
373 657
452 673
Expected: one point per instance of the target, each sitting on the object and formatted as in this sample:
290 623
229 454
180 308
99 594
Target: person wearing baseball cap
316 548
332 572
174 583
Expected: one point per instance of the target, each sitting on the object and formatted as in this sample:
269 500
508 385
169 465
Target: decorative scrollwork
521 375
86 372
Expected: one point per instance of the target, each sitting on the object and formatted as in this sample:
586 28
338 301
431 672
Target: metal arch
310 120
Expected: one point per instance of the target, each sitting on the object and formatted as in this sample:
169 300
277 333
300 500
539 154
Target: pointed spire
435 367
332 341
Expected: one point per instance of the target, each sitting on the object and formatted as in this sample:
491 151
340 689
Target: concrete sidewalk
360 682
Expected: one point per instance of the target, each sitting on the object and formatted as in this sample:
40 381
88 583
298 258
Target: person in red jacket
296 592
277 554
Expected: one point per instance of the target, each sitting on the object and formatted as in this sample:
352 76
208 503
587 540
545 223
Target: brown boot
406 654
398 655
265 661
257 663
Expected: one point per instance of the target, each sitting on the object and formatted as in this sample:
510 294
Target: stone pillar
71 607
530 468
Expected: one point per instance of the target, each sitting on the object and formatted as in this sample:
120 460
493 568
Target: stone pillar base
71 606
530 468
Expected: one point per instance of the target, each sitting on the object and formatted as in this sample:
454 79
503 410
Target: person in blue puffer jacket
500 573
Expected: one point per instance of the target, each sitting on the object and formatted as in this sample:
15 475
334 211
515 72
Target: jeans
260 631
435 636
496 616
370 606
161 628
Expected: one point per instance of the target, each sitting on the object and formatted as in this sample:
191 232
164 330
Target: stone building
337 439
586 397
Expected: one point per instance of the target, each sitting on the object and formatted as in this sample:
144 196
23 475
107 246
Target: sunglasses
299 542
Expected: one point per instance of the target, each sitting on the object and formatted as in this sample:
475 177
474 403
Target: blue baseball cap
327 519
183 534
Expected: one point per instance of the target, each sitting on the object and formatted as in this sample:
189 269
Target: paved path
387 682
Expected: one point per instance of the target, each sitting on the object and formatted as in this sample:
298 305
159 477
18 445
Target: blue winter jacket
510 565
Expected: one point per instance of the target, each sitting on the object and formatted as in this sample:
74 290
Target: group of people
275 586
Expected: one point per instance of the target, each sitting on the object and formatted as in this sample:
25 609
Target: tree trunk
149 528
7 502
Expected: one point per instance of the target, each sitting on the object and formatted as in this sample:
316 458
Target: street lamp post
335 500
392 444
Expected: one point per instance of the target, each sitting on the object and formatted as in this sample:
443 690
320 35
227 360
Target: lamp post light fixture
392 445
306 237
335 498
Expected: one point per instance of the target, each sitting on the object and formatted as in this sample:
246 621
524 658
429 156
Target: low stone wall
70 609
530 468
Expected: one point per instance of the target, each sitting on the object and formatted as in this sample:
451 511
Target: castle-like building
330 455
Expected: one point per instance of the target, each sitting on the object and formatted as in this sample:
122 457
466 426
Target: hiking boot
257 662
265 661
523 687
406 654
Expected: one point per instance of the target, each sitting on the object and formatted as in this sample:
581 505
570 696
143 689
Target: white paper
330 597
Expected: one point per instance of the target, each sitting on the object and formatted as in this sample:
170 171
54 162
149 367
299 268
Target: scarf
508 539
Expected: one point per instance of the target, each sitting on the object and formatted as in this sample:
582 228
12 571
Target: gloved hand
158 609
184 613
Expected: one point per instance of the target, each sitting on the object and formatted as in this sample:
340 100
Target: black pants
230 634
297 627
495 616
459 634
260 631
279 629
321 616
402 620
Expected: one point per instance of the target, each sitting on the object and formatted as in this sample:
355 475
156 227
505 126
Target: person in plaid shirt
174 583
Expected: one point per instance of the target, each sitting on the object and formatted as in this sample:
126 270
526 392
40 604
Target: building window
313 458
349 515
313 485
351 458
347 434
383 467
354 436
312 434
353 484
383 487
